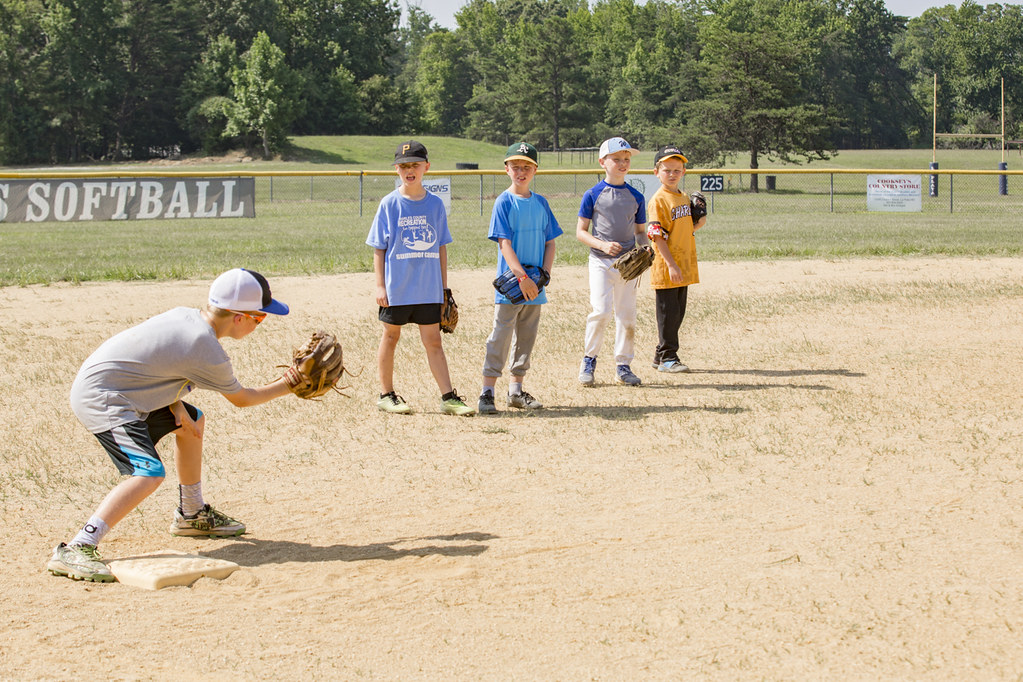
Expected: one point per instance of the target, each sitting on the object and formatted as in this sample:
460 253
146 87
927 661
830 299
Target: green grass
307 225
293 238
370 152
952 159
363 152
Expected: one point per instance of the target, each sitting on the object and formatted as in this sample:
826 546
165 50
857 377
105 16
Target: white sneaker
79 563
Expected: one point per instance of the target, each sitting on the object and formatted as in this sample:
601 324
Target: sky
443 11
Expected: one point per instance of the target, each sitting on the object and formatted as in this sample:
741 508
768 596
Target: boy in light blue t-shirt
524 228
410 237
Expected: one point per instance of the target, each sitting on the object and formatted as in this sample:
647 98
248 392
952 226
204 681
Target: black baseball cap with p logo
410 152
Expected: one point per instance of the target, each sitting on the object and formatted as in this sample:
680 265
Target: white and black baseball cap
244 290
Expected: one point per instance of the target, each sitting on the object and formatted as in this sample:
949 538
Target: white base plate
168 568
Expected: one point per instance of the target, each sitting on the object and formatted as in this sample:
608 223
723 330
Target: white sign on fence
894 193
647 184
439 186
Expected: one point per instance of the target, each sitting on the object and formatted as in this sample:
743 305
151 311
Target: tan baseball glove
315 367
448 313
635 262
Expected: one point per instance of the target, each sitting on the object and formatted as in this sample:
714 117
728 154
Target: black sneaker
486 404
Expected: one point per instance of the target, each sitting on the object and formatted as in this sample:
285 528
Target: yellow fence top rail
156 173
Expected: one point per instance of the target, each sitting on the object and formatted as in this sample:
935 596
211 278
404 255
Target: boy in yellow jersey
670 229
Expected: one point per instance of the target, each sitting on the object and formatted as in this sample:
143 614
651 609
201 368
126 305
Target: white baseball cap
615 144
244 290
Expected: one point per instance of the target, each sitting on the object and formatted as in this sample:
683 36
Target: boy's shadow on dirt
782 372
613 412
251 551
634 412
773 373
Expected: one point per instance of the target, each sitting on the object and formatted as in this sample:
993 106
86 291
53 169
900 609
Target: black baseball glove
698 206
508 283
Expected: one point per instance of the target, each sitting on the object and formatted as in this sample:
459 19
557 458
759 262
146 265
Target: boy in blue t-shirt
524 228
410 237
615 212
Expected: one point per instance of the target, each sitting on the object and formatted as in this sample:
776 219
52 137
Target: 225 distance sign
712 183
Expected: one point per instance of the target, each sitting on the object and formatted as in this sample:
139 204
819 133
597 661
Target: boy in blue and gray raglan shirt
612 220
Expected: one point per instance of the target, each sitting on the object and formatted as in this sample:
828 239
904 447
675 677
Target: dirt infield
834 492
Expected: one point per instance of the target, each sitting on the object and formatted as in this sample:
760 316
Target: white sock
191 498
515 388
488 390
91 533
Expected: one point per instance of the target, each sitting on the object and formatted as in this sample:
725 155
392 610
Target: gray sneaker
79 563
672 367
624 375
207 523
586 370
524 401
486 404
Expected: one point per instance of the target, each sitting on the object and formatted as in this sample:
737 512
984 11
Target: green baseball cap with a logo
522 151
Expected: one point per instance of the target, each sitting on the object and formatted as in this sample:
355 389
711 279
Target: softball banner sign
73 199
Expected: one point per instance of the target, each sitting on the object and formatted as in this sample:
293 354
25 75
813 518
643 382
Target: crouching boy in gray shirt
130 393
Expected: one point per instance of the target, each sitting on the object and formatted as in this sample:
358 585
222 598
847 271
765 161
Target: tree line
782 79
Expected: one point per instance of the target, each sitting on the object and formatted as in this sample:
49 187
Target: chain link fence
742 193
729 192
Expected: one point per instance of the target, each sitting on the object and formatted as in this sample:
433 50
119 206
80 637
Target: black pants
671 308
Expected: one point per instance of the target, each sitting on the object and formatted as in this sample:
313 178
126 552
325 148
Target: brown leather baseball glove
635 262
448 313
316 366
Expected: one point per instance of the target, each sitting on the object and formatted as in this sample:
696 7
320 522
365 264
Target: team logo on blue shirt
416 233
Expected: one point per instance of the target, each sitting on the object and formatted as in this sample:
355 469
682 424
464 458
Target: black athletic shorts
419 313
132 446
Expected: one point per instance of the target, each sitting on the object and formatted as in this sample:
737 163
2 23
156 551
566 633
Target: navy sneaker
586 370
624 375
